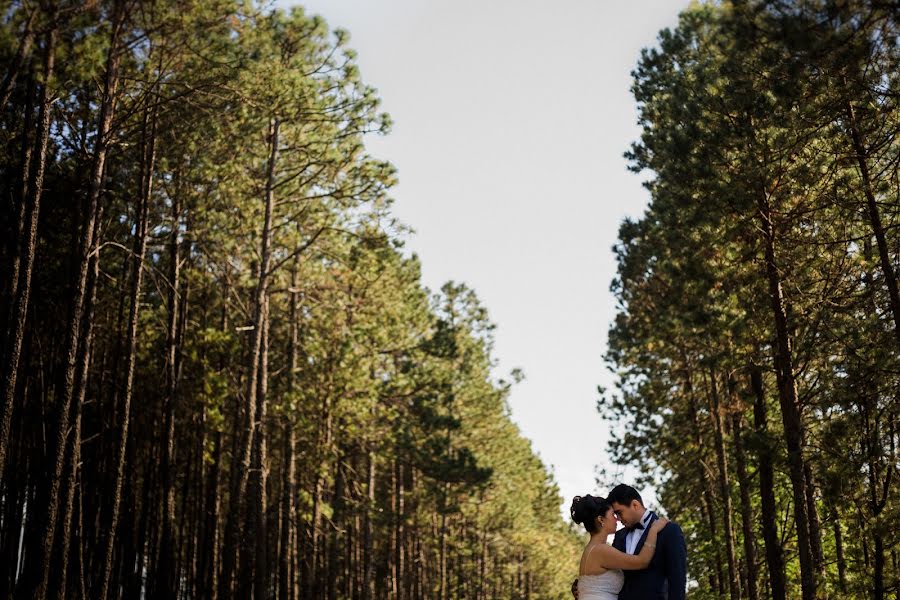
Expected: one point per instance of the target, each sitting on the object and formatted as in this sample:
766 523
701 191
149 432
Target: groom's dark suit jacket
666 577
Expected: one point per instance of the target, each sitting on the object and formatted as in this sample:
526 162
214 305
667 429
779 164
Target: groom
666 577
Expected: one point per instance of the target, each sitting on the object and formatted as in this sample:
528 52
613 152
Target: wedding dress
605 586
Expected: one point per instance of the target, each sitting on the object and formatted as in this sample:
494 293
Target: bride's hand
659 524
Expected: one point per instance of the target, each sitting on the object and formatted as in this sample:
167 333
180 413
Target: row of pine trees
757 341
222 376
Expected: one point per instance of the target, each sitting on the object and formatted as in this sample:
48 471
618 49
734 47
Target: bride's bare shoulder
591 561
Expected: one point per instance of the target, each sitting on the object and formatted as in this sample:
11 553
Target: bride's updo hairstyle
586 509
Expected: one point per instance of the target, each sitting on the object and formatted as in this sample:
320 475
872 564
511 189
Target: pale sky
510 120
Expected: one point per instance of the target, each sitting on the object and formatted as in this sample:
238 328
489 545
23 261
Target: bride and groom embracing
647 559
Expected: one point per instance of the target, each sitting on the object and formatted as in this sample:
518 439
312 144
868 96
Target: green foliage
747 132
388 455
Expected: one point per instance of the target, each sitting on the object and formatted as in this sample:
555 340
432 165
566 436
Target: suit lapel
640 544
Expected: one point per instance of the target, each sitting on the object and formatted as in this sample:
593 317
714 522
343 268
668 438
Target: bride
600 575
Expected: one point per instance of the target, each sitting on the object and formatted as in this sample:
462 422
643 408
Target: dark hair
586 509
624 495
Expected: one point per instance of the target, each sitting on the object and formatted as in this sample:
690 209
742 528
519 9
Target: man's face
628 514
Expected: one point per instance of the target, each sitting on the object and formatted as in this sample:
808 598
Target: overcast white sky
511 117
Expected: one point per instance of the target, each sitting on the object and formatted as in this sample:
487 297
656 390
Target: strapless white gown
601 587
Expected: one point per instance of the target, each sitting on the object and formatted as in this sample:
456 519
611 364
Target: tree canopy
757 338
222 374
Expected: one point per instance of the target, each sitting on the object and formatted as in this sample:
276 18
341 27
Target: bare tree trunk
839 550
787 395
15 252
335 537
286 583
136 517
887 269
879 489
708 494
239 486
878 588
209 554
210 557
191 501
165 585
42 527
285 576
23 51
716 410
23 254
15 493
74 449
148 160
368 566
815 526
746 507
443 552
774 552
313 562
259 474
399 531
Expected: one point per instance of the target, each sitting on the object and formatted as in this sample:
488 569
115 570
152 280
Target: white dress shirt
633 537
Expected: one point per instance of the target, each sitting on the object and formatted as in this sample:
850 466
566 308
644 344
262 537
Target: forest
756 346
222 375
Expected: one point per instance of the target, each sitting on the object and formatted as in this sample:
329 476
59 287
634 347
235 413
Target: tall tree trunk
766 470
443 550
166 582
787 396
209 555
887 268
286 589
286 583
716 410
368 571
15 493
399 531
239 485
74 449
708 494
839 550
815 526
878 587
24 252
259 474
15 251
42 524
192 505
878 491
746 507
335 536
148 160
23 51
310 585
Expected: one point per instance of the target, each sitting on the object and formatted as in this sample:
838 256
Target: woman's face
609 522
